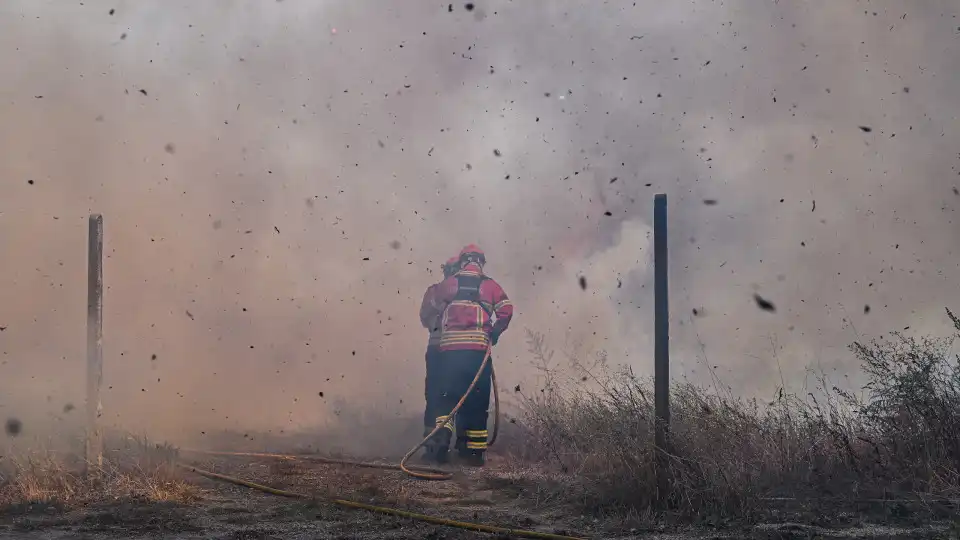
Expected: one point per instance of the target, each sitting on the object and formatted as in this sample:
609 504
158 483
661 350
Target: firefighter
475 312
432 321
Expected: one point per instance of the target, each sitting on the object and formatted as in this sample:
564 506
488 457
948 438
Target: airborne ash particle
583 282
764 304
13 427
710 202
866 129
468 6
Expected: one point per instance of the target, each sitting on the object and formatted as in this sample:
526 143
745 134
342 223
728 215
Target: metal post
661 345
94 448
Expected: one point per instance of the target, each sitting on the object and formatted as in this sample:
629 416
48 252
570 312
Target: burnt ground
499 495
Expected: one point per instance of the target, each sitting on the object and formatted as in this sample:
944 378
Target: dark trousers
455 371
432 390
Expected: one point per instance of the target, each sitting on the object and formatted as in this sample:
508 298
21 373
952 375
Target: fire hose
423 473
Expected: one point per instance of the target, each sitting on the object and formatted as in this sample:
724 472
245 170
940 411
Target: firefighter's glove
494 338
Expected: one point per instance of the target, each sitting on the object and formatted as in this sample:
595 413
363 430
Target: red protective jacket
472 305
430 318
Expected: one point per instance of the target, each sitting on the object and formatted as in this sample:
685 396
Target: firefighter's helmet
473 253
451 266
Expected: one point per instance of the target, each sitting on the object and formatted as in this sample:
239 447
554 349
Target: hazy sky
281 180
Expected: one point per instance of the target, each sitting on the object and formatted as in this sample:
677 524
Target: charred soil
169 503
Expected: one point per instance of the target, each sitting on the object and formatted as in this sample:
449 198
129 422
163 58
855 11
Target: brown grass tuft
132 469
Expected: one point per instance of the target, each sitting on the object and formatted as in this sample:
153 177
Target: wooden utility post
94 441
661 384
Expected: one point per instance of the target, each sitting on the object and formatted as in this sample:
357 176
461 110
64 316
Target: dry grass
730 457
584 437
132 469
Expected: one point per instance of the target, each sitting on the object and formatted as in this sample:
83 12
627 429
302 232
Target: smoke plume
280 181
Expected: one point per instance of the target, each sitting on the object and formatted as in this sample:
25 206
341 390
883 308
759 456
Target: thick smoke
281 180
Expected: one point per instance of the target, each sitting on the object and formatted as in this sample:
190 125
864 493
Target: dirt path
231 512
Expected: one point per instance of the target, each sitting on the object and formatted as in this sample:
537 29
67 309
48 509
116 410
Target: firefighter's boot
438 447
473 458
441 449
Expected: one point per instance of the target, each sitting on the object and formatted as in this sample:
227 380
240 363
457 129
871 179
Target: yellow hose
425 473
516 533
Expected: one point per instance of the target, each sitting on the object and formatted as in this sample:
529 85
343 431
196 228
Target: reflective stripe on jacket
467 323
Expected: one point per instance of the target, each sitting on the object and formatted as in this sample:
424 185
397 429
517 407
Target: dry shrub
131 469
729 456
